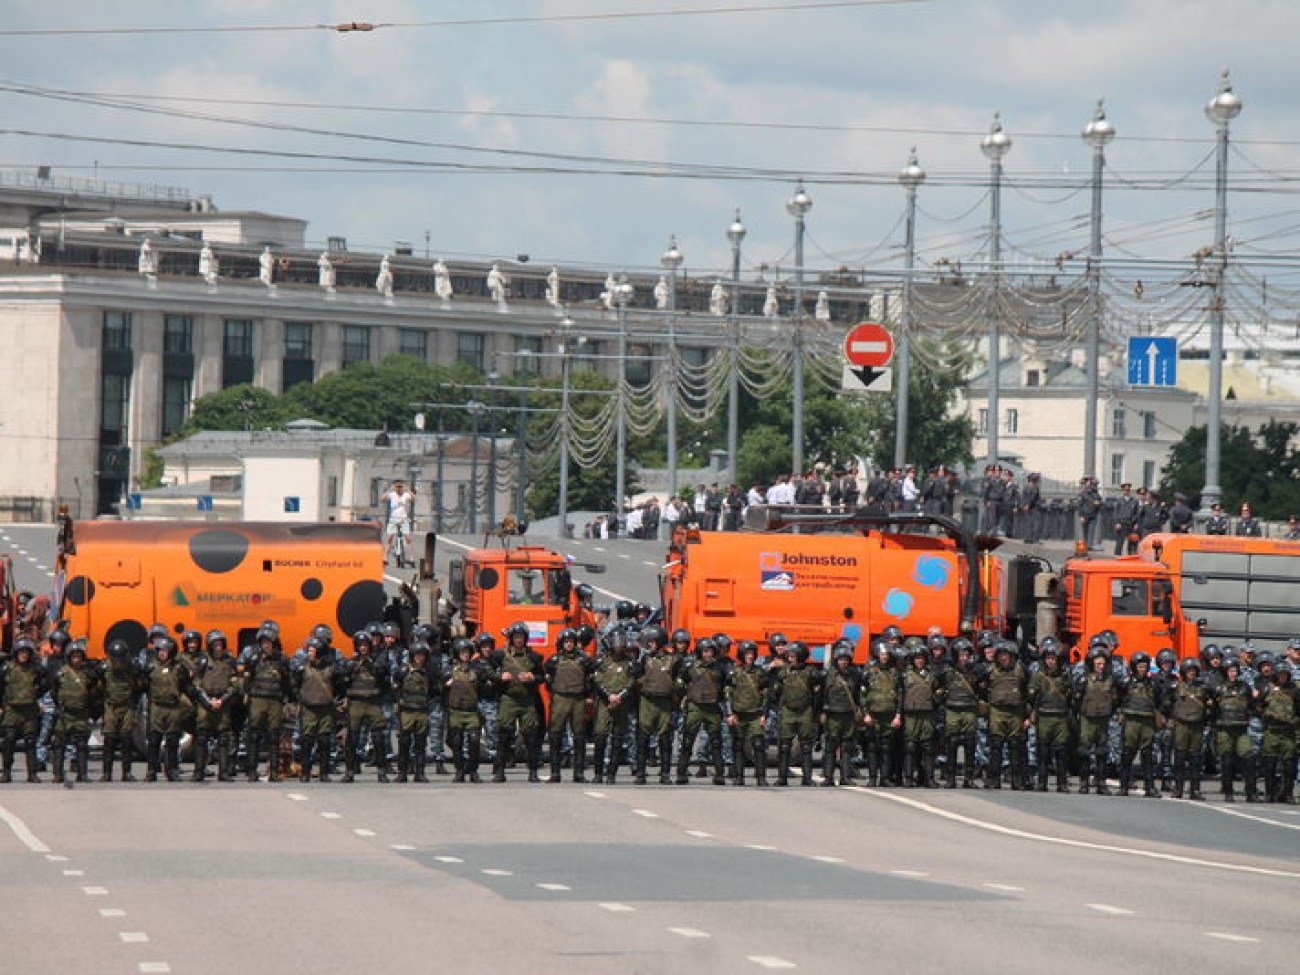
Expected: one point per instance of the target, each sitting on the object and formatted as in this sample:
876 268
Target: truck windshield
527 587
1130 597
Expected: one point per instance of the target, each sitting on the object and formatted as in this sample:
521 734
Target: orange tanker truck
116 578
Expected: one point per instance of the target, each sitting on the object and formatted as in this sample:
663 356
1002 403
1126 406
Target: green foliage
243 407
152 474
1263 468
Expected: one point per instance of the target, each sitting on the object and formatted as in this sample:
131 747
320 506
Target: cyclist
399 508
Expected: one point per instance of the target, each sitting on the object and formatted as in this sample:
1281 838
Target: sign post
868 351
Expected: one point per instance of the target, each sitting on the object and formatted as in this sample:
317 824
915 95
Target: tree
242 407
1263 468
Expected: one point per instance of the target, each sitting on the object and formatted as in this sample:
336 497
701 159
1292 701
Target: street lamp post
798 208
1099 134
735 236
438 486
995 145
911 177
565 349
622 295
1221 110
475 409
672 260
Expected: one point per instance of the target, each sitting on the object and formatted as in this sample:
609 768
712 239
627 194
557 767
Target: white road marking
495 872
74 873
22 551
133 937
699 834
43 568
597 548
331 815
1009 888
1065 841
20 830
155 967
829 859
594 795
296 797
646 813
1109 909
771 961
653 565
1237 938
689 932
624 555
616 908
95 891
364 832
449 859
1245 815
56 858
554 887
760 847
400 846
111 912
914 874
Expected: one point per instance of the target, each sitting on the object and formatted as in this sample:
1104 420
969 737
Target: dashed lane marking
699 834
1066 841
20 830
616 908
554 887
770 961
1110 909
111 912
331 815
95 891
597 548
133 937
74 873
154 968
652 565
646 813
1245 815
594 795
624 555
829 859
1007 888
364 832
689 932
913 874
56 858
760 847
1235 938
495 872
296 796
449 859
401 847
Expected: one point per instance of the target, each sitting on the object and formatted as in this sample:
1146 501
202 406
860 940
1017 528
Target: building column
145 424
329 354
209 334
269 350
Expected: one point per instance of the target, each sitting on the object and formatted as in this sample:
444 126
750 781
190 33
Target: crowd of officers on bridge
924 711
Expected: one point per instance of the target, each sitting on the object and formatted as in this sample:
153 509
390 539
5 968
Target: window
117 331
115 398
175 403
1148 474
1129 597
332 491
297 340
1116 469
238 337
1033 377
356 344
1118 423
528 349
178 334
527 587
470 348
982 423
1013 421
413 342
1149 425
638 368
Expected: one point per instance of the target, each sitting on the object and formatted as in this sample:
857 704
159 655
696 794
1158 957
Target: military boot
323 744
993 777
1226 778
306 756
1061 759
58 754
909 764
846 762
351 761
1099 769
1250 779
403 757
420 756
617 755
873 763
253 758
738 760
83 760
1043 771
534 747
969 769
683 764
472 744
1286 784
719 767
1180 765
127 748
758 752
171 756
1194 766
927 767
225 756
556 743
32 763
783 763
504 746
579 759
200 772
382 767
153 757
1126 771
830 759
950 766
806 751
7 768
642 754
666 758
1149 774
109 751
598 759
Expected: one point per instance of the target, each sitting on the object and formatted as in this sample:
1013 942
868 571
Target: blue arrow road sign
1152 362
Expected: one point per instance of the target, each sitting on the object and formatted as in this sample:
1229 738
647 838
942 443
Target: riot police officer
961 691
1050 701
1279 705
269 687
1097 696
1234 703
414 682
704 675
882 702
568 677
746 697
841 714
1188 706
465 683
366 682
168 686
219 692
656 675
615 693
797 688
123 688
23 682
1008 691
319 689
1140 703
920 701
518 676
77 697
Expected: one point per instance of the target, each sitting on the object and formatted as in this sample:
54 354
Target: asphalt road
519 878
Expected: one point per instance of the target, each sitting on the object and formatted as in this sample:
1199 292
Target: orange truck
490 588
116 578
818 576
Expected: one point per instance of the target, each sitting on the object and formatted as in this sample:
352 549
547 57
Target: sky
746 103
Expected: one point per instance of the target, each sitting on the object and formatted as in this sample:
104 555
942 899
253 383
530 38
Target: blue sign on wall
1152 362
205 502
292 505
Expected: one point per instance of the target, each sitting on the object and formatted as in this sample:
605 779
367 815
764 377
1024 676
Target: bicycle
398 543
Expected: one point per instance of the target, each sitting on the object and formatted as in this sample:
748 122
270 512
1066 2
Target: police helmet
706 644
1166 656
654 636
584 592
843 649
77 648
425 633
1231 660
747 648
959 646
460 645
1283 669
586 633
157 630
1265 659
117 649
882 652
641 610
1005 646
624 609
267 633
191 636
799 650
165 644
1097 651
24 645
215 637
517 629
392 629
681 636
1188 665
362 638
566 635
1229 651
272 626
1293 643
936 642
1211 653
914 643
318 648
777 640
323 633
892 632
484 639
723 641
59 638
375 629
419 649
1138 659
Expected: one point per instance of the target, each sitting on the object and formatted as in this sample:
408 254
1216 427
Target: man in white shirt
399 507
910 490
